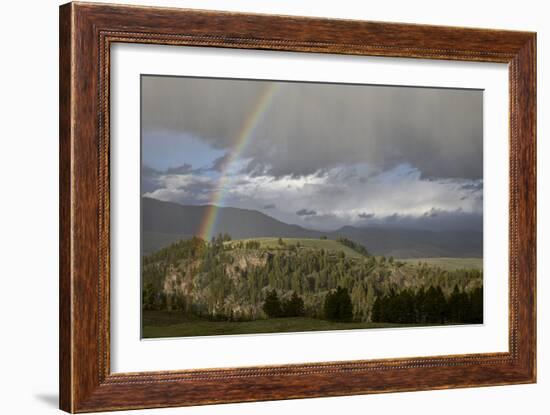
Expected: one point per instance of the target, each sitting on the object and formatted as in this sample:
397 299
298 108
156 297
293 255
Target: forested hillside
247 280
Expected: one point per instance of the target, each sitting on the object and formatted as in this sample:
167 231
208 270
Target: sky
318 155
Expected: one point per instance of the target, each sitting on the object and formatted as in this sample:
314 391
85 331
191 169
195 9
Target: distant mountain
166 222
414 243
172 218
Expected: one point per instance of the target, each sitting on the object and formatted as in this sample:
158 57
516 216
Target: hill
166 222
253 279
274 244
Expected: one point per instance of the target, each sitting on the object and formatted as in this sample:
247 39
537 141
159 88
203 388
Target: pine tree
293 307
272 305
338 305
148 297
459 306
345 307
435 305
376 314
475 315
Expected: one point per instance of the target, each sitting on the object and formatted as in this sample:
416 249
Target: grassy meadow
448 264
174 324
274 244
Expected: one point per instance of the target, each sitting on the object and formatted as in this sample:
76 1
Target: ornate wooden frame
86 33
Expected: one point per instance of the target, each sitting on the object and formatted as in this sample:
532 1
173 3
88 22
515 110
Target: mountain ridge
165 222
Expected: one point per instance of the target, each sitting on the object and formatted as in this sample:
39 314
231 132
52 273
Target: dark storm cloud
212 109
219 163
183 169
366 215
306 212
309 127
269 206
431 214
473 186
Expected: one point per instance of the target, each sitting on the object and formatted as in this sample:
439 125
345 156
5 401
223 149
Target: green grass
175 324
305 243
449 264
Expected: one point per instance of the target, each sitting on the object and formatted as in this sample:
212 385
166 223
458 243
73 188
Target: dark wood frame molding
86 33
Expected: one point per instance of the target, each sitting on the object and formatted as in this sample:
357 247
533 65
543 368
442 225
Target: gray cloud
220 162
309 127
306 212
399 197
149 179
148 171
473 186
183 169
188 189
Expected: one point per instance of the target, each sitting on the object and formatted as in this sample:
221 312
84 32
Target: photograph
274 206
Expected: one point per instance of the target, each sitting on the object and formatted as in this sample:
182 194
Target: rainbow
210 218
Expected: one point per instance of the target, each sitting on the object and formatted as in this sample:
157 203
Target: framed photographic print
260 207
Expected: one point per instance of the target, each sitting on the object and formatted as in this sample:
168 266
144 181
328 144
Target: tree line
290 307
405 307
429 306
